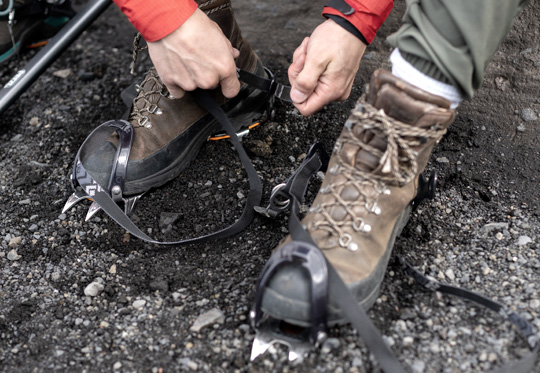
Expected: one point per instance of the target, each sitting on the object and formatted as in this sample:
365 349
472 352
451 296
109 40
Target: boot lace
145 103
397 166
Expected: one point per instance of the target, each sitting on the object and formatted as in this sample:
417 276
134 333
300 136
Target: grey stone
523 240
528 114
93 289
214 316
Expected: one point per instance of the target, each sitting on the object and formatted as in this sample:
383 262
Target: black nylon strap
270 86
525 364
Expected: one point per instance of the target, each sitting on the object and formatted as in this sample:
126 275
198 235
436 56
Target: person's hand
324 67
196 55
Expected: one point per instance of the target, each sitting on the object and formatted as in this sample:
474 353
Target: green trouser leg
453 41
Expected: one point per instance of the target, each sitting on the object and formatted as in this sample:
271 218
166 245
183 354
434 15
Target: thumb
306 81
175 92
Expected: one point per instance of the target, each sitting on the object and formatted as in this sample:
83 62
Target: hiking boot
365 198
169 132
30 23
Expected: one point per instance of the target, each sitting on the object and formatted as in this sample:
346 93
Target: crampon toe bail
85 184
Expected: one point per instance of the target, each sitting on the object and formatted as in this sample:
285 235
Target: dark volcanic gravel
84 296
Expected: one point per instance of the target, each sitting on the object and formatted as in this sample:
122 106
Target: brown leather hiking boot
364 200
169 132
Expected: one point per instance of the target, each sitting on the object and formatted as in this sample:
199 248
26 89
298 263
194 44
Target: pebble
493 227
117 365
15 241
442 160
449 273
524 240
160 284
168 218
64 73
408 341
418 366
12 255
139 303
528 114
330 344
34 121
211 317
93 289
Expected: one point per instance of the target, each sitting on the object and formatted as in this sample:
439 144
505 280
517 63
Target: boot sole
366 292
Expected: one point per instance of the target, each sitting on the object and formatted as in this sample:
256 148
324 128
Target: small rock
33 228
93 289
64 73
14 241
493 227
528 114
112 270
534 304
418 366
12 255
168 218
330 344
160 284
139 303
524 240
34 121
449 273
117 365
408 341
208 318
442 160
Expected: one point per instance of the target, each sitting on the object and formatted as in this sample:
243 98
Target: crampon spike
129 203
73 199
94 208
272 331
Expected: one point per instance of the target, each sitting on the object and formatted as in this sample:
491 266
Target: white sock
404 70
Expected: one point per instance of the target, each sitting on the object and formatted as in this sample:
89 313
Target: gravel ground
85 296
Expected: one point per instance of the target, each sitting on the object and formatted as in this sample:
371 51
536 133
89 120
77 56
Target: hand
324 67
196 55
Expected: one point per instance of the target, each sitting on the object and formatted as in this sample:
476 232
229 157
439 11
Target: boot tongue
399 101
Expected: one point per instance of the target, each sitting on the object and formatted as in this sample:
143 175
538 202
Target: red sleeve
367 17
157 18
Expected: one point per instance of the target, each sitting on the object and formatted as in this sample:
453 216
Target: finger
234 52
230 86
313 104
307 79
296 67
302 49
